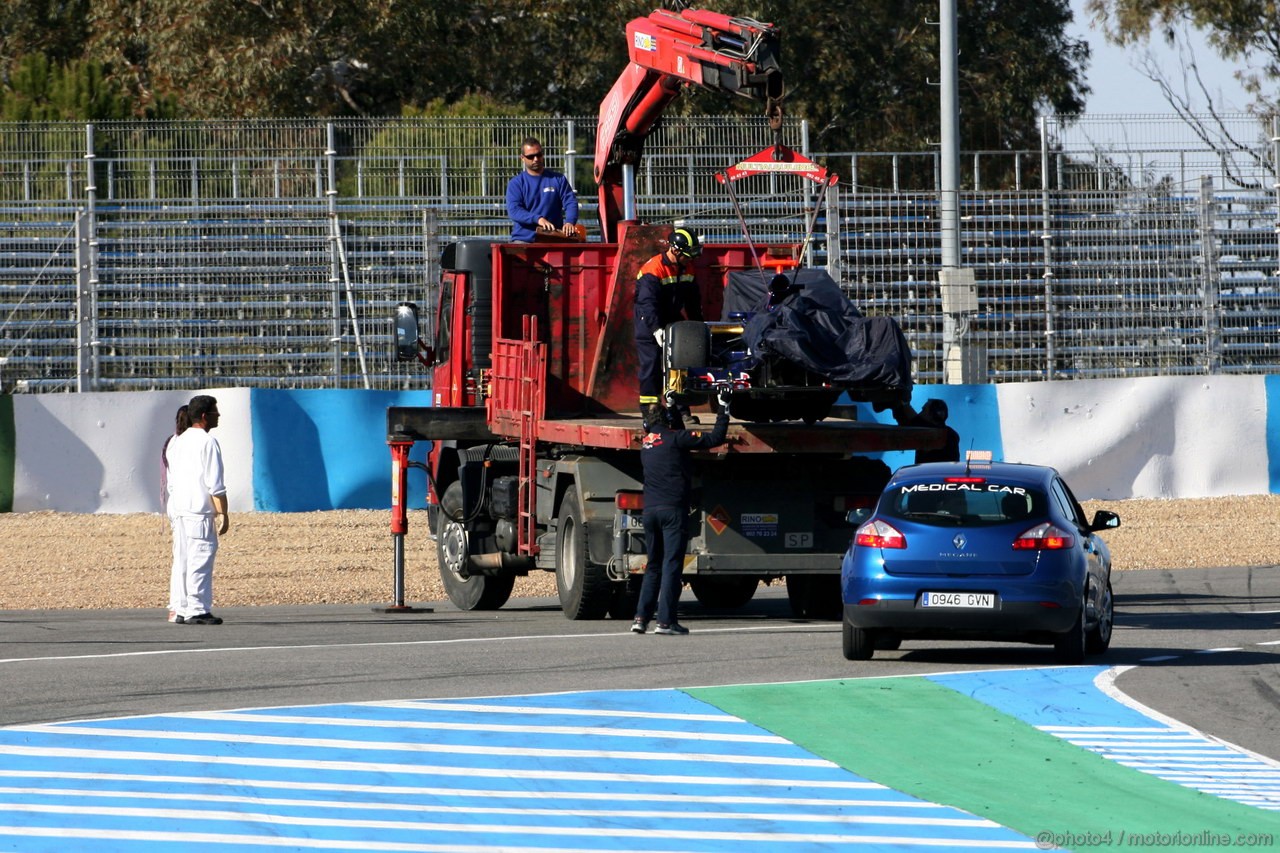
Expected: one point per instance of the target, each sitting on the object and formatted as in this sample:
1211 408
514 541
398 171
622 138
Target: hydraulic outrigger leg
399 526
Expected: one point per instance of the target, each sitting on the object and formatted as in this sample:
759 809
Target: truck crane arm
669 50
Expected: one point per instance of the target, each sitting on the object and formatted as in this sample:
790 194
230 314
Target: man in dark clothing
665 289
668 482
934 415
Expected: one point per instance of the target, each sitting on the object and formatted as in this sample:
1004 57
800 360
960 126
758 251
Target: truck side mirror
406 323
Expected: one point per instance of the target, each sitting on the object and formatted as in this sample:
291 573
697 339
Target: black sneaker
674 628
639 626
203 619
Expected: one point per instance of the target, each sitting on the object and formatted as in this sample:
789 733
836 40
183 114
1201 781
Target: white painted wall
1159 437
1113 439
100 452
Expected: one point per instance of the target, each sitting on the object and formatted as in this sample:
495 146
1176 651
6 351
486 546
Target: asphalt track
347 728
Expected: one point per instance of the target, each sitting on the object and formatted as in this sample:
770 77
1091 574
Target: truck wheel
453 550
814 596
584 588
724 593
688 345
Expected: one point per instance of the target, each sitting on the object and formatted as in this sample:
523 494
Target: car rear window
986 502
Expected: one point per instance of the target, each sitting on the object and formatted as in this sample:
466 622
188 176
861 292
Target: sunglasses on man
537 155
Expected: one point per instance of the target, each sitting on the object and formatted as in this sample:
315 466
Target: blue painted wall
972 411
1273 433
327 449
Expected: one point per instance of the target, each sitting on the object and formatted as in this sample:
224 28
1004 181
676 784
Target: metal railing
270 253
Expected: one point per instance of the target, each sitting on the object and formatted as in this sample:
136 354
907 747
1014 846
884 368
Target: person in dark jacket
668 482
665 290
539 197
932 414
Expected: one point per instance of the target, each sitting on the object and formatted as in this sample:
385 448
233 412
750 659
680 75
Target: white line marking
212 838
582 731
475 707
610 831
611 814
447 749
826 629
465 794
319 765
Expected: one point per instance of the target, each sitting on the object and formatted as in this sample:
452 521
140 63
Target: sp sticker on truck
759 525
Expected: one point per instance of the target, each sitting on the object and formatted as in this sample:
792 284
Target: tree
1246 31
862 75
54 29
41 90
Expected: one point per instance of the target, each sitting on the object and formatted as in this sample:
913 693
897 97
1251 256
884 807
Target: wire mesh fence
271 253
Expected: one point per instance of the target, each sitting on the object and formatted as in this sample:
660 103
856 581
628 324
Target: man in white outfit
197 499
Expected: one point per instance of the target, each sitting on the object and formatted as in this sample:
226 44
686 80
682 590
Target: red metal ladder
531 402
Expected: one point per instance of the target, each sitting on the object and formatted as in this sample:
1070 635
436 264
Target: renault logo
960 541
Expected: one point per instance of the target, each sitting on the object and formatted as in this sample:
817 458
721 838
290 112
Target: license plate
978 600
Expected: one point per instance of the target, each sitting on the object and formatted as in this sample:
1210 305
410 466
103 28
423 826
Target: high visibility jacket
664 292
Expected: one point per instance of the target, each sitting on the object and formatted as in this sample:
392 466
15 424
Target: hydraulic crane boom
670 50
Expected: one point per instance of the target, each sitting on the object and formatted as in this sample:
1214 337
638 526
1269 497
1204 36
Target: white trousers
177 568
195 544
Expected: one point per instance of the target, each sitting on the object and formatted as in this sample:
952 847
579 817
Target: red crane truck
534 462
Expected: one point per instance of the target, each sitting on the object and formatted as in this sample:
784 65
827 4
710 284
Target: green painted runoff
933 743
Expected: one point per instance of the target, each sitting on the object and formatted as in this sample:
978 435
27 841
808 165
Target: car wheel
859 643
1098 640
583 586
1069 646
453 554
688 345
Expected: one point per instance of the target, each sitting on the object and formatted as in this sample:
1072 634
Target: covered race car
788 347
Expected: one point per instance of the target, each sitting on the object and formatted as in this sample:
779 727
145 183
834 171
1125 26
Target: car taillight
879 534
1044 537
629 500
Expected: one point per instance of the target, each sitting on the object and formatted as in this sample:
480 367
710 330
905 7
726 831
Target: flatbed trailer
535 457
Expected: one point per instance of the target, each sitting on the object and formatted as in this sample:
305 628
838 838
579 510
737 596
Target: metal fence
270 253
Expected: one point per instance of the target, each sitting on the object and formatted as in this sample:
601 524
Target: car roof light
878 533
964 479
1044 537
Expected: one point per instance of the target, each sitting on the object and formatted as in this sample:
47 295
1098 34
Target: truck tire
453 549
688 345
814 596
727 593
584 587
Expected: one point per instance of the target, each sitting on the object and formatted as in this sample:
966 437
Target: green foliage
38 89
861 75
